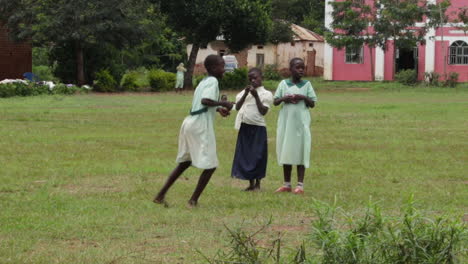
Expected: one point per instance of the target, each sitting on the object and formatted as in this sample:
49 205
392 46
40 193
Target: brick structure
15 57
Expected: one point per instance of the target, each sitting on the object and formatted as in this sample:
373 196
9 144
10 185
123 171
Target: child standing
180 77
197 143
250 158
293 138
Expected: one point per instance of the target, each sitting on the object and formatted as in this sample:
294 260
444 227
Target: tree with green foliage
463 19
239 22
79 23
307 13
350 26
356 23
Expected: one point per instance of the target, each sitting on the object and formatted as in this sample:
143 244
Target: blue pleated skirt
250 158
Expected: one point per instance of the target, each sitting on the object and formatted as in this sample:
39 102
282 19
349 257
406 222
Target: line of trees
85 36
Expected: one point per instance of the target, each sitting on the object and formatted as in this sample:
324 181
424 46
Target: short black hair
293 60
211 61
257 70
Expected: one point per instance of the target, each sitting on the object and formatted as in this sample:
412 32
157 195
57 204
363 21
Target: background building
347 64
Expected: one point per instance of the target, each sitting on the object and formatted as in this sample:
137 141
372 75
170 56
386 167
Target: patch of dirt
286 228
465 218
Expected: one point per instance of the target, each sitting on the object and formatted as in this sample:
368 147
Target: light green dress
293 137
197 141
180 76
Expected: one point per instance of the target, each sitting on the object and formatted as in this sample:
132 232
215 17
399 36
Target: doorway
406 59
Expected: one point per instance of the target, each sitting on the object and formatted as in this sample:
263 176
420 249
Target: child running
250 158
293 138
197 143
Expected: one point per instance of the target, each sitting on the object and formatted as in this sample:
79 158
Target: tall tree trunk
80 78
191 65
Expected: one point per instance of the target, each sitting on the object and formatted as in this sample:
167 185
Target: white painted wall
328 50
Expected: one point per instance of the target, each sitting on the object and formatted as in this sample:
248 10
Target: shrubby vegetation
270 72
161 81
339 237
407 77
32 89
236 79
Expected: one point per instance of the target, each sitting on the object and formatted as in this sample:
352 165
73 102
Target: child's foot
161 201
283 189
192 204
249 189
298 190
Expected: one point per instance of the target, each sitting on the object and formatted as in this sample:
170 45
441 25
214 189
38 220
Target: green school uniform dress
293 137
197 141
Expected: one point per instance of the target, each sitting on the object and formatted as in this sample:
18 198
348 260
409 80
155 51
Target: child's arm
286 99
242 100
307 100
211 103
261 108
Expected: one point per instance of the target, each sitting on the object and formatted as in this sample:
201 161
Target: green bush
235 80
451 79
32 89
67 89
407 77
161 81
129 81
45 73
432 78
104 82
271 73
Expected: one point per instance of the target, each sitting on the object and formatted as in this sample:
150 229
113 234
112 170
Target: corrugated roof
301 33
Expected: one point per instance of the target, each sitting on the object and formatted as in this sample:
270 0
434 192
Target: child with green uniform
293 137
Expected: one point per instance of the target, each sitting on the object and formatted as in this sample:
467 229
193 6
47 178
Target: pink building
348 64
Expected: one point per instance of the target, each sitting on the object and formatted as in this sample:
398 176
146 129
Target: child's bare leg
181 167
300 180
251 186
257 184
202 182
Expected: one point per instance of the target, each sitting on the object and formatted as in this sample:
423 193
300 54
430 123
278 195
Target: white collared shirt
249 113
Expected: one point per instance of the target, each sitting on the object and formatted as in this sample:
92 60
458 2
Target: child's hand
223 111
289 99
253 91
227 105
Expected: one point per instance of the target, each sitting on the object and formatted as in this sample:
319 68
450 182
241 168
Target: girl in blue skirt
250 158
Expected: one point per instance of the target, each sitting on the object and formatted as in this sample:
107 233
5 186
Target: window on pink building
458 53
354 55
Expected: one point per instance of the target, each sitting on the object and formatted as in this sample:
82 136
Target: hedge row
32 89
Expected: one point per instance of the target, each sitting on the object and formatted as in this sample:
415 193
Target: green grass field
78 173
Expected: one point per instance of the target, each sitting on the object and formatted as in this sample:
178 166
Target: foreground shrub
237 79
161 81
407 77
338 237
271 73
104 82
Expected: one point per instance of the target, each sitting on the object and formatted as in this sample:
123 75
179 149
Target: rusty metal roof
301 33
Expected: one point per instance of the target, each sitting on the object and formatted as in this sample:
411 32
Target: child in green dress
293 138
197 143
